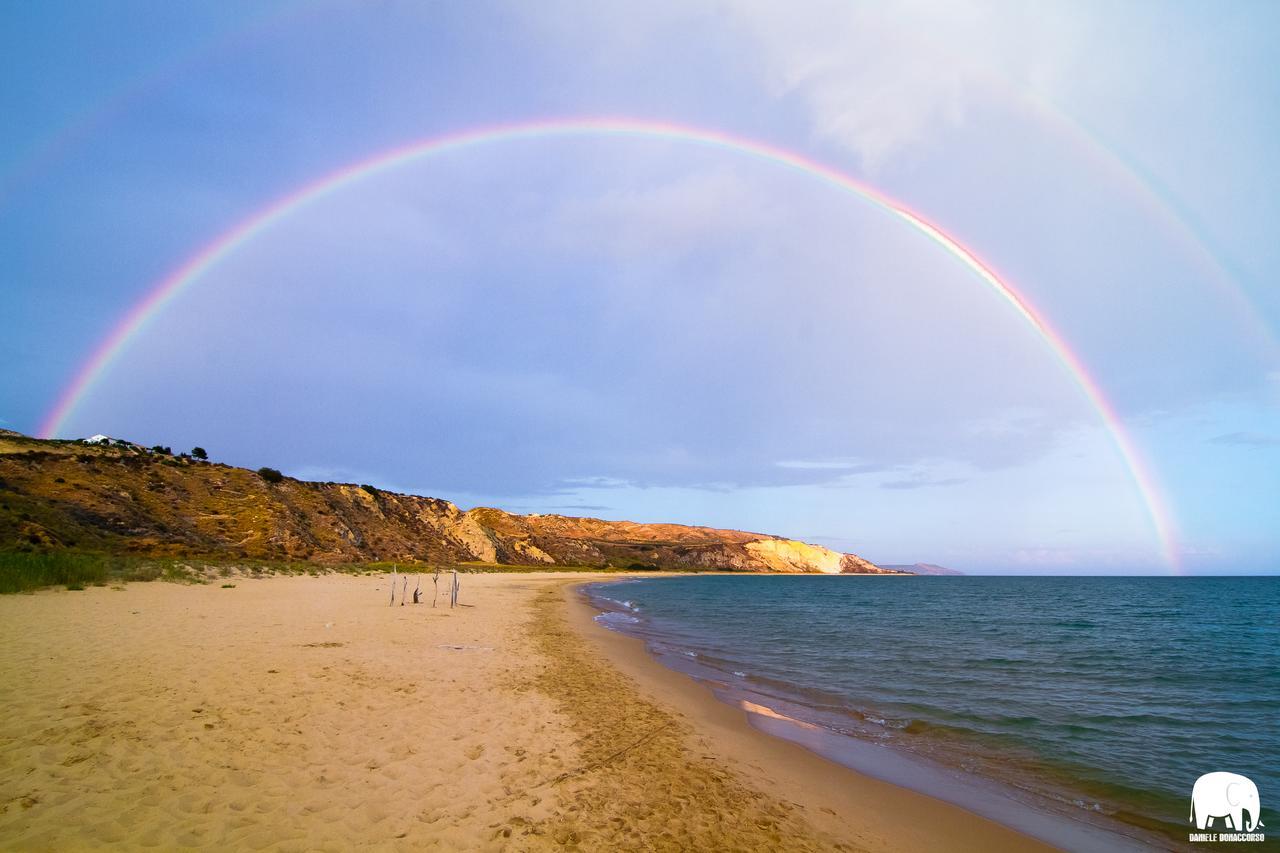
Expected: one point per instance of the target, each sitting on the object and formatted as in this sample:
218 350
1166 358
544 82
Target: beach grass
21 570
28 570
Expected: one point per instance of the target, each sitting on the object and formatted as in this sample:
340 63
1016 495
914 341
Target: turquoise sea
1079 709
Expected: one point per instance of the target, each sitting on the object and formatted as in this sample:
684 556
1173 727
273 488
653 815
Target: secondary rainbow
229 241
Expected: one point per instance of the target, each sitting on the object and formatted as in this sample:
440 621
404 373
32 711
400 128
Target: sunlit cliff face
787 555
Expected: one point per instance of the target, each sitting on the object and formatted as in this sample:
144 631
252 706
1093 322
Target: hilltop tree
199 453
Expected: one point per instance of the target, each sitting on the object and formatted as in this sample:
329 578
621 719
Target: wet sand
303 713
865 813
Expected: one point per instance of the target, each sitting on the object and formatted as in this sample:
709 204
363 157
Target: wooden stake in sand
417 588
453 590
435 579
393 586
405 591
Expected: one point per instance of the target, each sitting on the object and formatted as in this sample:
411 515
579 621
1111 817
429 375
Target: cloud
923 482
880 78
596 483
627 319
844 466
586 507
1247 439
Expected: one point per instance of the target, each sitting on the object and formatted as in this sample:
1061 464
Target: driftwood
435 580
417 588
393 586
404 591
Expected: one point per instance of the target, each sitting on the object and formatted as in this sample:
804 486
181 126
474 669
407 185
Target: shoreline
843 803
303 712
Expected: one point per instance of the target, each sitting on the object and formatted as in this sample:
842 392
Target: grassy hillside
121 500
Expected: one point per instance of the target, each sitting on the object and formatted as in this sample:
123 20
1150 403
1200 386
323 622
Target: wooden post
393 586
435 579
417 587
453 592
404 592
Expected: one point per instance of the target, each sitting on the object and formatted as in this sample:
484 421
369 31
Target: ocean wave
614 619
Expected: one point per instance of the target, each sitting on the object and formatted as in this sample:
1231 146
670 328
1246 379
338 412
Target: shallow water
1095 699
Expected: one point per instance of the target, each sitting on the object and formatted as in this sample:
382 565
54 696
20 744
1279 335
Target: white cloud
881 78
596 482
849 465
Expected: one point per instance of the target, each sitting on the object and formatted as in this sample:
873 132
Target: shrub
373 490
271 475
199 453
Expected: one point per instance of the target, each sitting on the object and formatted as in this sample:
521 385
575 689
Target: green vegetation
24 570
271 475
199 453
373 490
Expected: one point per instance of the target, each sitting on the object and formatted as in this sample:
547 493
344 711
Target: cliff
120 498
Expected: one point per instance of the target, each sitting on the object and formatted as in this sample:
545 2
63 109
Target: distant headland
923 569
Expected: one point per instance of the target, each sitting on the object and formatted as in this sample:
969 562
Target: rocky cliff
118 497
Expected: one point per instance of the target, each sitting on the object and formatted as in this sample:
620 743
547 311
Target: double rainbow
92 370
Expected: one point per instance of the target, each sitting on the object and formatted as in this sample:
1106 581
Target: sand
303 713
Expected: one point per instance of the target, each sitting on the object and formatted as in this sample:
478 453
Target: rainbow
140 314
1145 188
1162 206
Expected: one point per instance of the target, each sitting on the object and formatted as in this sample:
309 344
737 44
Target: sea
1080 710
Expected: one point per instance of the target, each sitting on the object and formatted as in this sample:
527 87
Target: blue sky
647 329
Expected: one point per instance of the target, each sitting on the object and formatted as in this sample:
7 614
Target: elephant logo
1226 795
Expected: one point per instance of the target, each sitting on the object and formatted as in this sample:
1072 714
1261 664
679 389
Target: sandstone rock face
788 555
62 494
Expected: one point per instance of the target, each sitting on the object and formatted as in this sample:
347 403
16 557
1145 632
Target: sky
645 327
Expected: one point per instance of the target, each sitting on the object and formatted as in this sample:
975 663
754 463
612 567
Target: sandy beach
303 713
